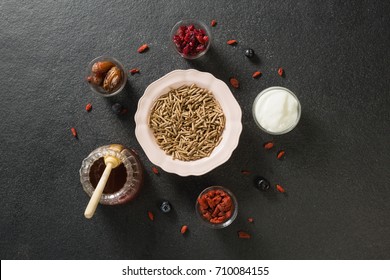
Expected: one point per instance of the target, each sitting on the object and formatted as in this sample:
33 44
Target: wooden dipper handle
111 162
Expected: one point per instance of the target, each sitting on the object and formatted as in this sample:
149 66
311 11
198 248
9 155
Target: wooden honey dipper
111 163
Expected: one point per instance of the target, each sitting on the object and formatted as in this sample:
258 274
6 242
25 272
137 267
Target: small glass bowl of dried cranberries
191 38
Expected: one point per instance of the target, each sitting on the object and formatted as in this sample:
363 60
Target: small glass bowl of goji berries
106 76
191 38
216 207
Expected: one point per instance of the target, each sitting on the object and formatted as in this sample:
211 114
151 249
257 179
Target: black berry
249 53
117 108
165 207
262 184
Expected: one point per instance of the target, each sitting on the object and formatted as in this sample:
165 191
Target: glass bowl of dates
191 38
106 76
217 207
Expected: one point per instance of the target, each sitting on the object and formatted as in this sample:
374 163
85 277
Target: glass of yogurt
276 110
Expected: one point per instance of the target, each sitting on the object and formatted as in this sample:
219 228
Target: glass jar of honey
125 181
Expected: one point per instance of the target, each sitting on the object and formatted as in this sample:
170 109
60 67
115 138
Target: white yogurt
276 110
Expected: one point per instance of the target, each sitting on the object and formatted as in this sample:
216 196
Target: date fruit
102 67
113 79
96 79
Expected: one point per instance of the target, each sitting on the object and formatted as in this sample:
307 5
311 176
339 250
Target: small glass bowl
198 25
293 125
228 221
99 89
134 178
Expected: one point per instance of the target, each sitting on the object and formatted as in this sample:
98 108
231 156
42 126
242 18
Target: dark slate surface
336 171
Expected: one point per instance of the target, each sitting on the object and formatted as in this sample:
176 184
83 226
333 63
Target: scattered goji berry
245 172
184 229
280 188
268 145
143 48
155 170
74 132
280 71
234 82
280 154
251 220
213 23
134 71
243 234
256 74
88 107
232 42
150 215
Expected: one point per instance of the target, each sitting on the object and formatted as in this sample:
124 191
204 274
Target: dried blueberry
117 108
249 53
165 206
262 184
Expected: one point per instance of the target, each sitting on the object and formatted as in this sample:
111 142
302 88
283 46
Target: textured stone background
336 56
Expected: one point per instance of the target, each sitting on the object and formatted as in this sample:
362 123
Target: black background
336 58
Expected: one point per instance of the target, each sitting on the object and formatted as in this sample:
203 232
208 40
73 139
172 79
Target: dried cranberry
200 48
200 39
